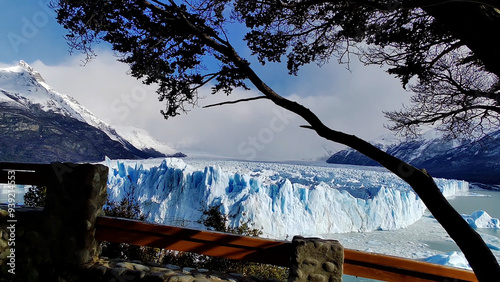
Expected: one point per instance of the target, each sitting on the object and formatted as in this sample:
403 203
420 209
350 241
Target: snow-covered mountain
142 140
471 160
41 124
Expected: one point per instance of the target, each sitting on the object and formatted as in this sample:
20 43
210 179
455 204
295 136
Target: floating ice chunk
454 259
481 219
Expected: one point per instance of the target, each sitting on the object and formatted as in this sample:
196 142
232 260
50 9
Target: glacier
282 200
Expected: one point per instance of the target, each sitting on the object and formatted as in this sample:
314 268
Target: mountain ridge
64 130
470 160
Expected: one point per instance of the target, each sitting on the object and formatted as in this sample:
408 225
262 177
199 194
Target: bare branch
236 101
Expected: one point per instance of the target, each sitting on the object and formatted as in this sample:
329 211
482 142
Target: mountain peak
21 67
25 66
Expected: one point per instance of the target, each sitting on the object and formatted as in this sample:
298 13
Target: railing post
317 260
75 198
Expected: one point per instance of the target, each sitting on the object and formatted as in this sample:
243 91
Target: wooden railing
356 263
217 244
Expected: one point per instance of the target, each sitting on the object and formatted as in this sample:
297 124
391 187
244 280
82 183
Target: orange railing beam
356 263
190 240
391 268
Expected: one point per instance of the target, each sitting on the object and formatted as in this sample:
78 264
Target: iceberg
282 200
481 219
454 259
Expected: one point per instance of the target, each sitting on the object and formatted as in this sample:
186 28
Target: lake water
426 236
19 193
479 199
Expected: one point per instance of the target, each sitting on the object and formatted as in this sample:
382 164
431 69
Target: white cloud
350 102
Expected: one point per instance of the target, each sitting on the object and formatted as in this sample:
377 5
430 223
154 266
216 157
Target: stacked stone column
52 242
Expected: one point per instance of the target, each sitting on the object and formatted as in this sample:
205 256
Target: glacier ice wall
281 199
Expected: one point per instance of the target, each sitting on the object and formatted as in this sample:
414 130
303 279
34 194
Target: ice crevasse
281 199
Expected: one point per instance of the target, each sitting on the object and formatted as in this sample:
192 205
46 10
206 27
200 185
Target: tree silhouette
169 44
447 48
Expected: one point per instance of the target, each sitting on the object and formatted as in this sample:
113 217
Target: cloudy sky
350 101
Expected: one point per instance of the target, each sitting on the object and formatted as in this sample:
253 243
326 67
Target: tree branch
446 51
429 3
236 101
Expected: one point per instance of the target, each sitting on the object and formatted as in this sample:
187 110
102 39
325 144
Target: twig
236 101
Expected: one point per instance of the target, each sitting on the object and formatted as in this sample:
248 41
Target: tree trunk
482 261
480 257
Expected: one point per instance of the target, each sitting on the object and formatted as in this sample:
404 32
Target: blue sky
30 32
351 101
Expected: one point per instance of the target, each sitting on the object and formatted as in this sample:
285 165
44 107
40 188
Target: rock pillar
316 260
